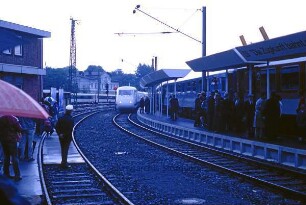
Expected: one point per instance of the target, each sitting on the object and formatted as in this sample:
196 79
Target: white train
90 98
127 98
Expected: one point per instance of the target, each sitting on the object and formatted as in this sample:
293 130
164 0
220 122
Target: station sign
293 45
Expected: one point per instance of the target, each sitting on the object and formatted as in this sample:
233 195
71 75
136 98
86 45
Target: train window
290 78
194 86
263 79
182 87
125 92
178 89
188 86
199 89
171 88
223 84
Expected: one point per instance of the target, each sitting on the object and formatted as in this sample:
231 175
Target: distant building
94 82
21 57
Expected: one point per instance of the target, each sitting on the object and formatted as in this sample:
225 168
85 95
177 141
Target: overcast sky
97 43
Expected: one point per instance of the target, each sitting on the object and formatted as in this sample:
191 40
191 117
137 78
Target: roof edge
25 29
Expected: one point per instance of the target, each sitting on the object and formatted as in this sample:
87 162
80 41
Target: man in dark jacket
64 127
272 113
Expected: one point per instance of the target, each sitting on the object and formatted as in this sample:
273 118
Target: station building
92 82
21 57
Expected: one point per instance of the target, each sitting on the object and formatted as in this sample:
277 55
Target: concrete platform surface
30 185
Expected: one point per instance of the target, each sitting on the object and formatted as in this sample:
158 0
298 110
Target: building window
18 50
7 51
290 78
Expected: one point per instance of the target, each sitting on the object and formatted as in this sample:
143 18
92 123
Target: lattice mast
72 66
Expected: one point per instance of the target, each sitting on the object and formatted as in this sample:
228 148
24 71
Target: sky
97 41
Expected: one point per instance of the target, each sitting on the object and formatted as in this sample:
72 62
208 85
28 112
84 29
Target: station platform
30 185
188 123
285 151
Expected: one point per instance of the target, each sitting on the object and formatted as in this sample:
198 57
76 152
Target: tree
143 70
56 77
95 68
124 79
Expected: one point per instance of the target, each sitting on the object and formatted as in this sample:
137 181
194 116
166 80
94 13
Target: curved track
291 184
81 184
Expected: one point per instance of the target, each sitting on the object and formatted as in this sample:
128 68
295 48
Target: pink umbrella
14 101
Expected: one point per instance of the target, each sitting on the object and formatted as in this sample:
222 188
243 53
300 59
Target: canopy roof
290 46
162 75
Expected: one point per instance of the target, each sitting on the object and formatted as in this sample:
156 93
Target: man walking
64 127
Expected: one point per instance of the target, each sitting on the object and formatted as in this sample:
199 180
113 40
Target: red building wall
31 53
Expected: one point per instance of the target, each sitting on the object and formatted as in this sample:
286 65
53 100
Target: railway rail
80 184
290 183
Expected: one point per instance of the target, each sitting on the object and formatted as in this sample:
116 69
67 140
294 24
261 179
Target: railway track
80 184
290 183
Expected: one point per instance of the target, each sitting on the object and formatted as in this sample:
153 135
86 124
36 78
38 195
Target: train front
126 100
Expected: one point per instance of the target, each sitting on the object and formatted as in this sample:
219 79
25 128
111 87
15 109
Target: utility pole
204 73
73 86
99 84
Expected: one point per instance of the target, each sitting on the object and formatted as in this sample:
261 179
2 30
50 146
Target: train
92 98
287 79
127 98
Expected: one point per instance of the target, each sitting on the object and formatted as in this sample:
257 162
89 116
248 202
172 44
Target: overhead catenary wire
145 33
177 30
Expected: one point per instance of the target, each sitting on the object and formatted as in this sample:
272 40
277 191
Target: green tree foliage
143 70
123 79
95 68
59 77
56 77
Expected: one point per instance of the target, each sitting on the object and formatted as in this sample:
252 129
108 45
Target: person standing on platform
28 129
227 112
218 121
210 110
174 104
197 109
258 117
249 108
238 113
203 117
141 104
301 101
301 118
64 128
39 129
147 105
272 116
10 134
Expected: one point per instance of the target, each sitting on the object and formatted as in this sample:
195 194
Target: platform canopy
290 46
162 75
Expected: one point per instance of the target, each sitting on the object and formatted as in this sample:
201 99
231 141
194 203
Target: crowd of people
19 136
259 119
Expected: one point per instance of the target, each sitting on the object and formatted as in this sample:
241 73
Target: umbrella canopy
14 101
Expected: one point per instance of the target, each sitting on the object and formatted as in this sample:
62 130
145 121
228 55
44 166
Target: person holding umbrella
64 128
10 134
